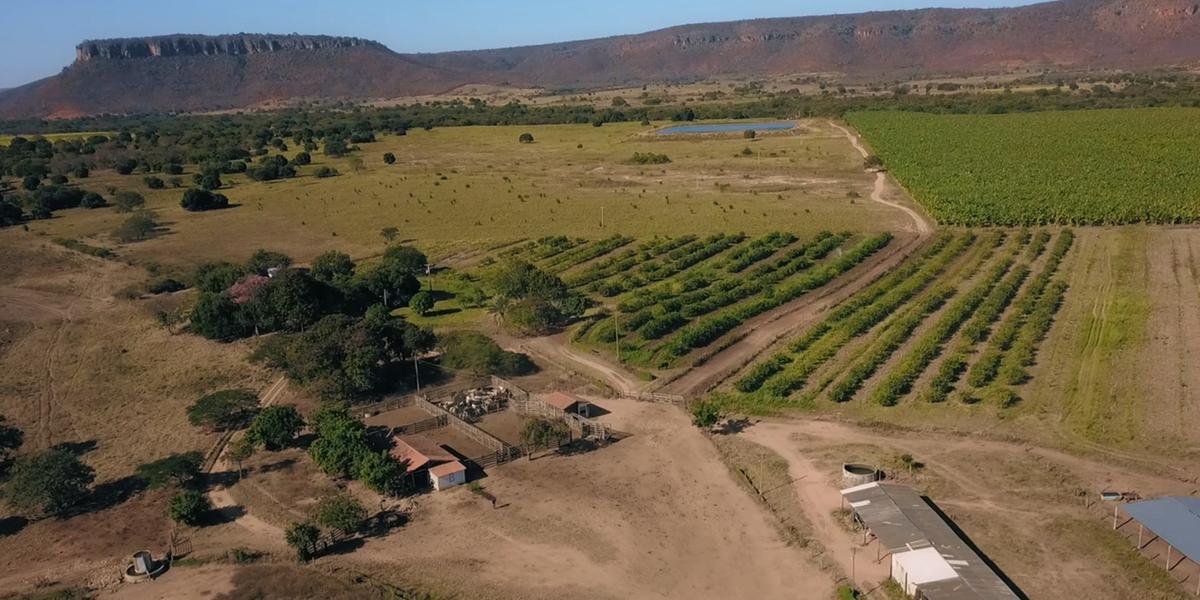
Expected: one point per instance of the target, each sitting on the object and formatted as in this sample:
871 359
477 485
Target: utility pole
601 217
617 327
417 372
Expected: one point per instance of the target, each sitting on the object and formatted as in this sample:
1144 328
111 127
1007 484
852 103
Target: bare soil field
1019 504
653 516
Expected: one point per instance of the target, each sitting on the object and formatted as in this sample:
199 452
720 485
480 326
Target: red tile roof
418 452
562 400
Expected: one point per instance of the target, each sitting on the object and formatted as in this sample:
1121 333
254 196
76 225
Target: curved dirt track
920 224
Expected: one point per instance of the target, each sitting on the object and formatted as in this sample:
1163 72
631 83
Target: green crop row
1092 167
987 366
581 254
624 261
900 380
757 250
853 317
707 330
888 343
1023 352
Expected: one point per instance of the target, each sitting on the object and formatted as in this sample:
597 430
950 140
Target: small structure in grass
144 568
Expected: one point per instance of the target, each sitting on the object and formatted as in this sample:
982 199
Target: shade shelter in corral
568 403
1176 521
929 559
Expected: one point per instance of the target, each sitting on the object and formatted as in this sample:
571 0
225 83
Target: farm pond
726 127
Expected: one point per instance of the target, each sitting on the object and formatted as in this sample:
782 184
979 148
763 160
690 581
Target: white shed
919 567
447 475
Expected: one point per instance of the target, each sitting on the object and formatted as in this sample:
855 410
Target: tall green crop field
1092 167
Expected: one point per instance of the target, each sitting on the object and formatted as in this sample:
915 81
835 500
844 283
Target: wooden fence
436 422
656 397
484 438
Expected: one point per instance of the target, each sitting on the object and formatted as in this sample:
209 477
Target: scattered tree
276 427
389 158
154 183
302 158
11 439
52 481
333 267
340 511
196 199
262 261
126 201
223 410
177 469
389 233
525 138
873 162
749 134
421 303
189 507
541 432
239 452
303 538
139 226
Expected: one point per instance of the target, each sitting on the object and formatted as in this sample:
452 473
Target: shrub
525 138
649 158
542 432
196 199
477 353
323 172
340 511
705 413
302 158
188 507
389 158
139 226
154 183
303 537
164 285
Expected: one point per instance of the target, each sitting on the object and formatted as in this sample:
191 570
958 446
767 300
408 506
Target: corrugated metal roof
903 521
561 400
1175 519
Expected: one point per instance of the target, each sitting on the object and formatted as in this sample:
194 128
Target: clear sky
39 36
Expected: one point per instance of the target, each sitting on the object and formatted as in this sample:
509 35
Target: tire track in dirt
921 226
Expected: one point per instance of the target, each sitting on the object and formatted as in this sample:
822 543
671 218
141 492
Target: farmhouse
568 403
929 559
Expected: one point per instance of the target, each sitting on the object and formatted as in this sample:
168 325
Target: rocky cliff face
193 72
202 45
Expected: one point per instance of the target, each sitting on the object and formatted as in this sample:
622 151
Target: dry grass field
456 188
666 512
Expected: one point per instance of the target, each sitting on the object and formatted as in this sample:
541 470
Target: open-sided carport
1176 521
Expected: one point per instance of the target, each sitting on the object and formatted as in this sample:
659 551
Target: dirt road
220 496
558 351
921 226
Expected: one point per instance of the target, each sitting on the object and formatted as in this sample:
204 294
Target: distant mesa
180 73
241 44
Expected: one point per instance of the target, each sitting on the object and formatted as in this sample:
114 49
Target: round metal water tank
143 563
857 474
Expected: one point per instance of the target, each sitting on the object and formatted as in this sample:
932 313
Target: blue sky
40 35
